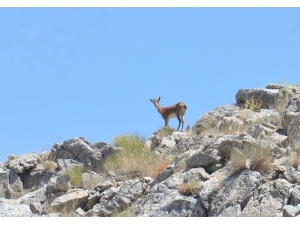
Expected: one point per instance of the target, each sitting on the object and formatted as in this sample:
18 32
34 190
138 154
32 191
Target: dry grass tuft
293 158
158 168
134 160
49 165
258 158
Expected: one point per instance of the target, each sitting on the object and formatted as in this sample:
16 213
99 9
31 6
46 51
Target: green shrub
75 174
133 160
133 142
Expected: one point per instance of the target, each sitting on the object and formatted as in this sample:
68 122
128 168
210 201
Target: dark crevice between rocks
245 202
198 209
25 174
281 131
289 200
109 198
75 156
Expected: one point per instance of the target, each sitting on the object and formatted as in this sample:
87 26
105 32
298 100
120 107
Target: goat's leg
166 122
179 119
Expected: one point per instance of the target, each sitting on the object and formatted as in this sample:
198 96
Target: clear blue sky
70 72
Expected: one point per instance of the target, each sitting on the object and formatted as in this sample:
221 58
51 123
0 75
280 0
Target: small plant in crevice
190 188
253 104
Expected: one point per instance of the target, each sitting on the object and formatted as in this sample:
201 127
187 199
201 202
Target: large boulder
69 201
264 97
79 149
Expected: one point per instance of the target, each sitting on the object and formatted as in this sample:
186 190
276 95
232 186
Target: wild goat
173 111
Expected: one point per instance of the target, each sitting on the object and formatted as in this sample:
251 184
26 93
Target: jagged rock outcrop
201 179
25 163
82 151
79 149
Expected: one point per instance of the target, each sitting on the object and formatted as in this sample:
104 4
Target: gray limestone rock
211 119
266 97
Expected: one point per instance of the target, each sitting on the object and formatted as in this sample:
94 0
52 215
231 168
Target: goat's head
155 101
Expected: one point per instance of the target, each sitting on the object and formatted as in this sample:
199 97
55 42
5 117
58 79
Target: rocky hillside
237 160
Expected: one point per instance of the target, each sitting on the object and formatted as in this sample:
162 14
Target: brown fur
173 111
